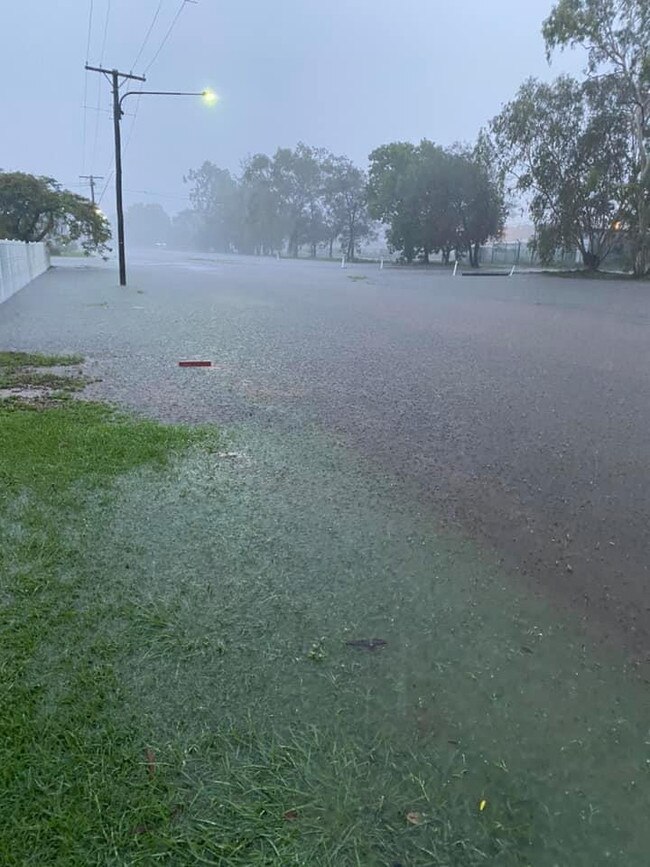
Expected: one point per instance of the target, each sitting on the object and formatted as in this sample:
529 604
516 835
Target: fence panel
20 263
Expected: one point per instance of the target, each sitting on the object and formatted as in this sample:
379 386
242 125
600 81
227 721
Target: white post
381 264
455 267
277 256
343 261
512 272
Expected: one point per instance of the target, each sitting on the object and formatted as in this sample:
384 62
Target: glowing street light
210 97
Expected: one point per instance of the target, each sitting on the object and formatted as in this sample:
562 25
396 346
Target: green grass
177 687
17 360
17 371
71 751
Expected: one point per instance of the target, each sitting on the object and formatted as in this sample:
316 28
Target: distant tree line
577 151
304 198
307 199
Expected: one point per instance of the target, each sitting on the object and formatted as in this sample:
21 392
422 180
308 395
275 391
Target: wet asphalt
517 410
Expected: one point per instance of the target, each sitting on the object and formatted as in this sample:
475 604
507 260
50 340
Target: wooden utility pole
91 180
114 77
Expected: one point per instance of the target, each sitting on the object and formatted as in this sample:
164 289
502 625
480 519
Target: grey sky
348 75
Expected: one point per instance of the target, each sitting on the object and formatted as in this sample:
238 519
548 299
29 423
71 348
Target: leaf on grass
150 758
176 812
414 818
290 815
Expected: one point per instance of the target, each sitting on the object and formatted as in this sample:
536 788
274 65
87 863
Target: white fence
19 264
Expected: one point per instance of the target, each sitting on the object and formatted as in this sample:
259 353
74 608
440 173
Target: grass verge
71 749
183 682
17 371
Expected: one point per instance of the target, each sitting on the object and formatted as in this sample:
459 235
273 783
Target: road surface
518 408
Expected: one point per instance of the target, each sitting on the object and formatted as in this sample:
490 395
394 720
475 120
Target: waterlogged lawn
248 650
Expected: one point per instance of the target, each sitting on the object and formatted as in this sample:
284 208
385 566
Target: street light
208 96
118 162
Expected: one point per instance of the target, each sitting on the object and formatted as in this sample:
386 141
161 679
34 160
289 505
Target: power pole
114 77
91 180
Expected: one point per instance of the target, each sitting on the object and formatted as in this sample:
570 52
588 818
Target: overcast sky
347 75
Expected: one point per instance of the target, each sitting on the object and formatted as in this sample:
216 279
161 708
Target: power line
98 109
90 28
151 62
159 195
99 83
124 149
108 14
105 187
108 110
153 59
135 114
147 34
142 47
85 120
166 36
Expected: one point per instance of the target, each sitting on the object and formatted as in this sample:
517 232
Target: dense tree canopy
434 199
38 209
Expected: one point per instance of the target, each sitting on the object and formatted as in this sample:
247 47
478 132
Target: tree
214 195
298 182
435 199
263 227
477 197
616 36
564 146
394 195
345 204
147 224
436 184
38 209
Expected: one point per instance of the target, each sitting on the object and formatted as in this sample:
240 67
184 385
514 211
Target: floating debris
367 643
